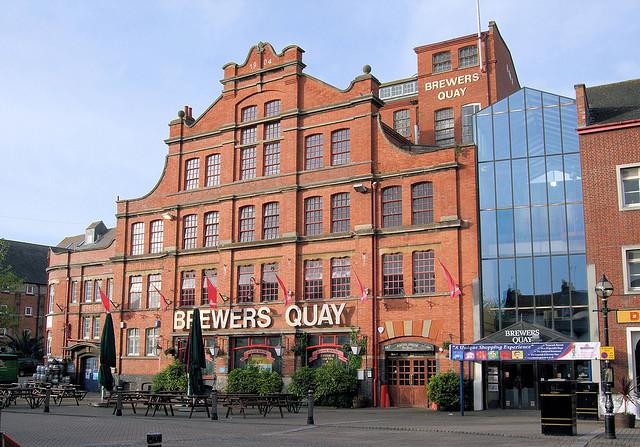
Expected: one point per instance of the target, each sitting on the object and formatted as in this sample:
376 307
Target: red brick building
609 131
285 176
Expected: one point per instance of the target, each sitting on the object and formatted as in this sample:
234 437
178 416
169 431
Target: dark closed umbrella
107 354
195 356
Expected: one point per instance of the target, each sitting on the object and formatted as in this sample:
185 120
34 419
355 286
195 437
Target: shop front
408 367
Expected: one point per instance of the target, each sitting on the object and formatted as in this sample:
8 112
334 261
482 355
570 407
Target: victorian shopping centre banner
526 351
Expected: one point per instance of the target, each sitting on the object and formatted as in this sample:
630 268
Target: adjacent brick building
285 176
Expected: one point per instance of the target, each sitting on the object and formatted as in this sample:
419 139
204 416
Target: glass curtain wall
531 220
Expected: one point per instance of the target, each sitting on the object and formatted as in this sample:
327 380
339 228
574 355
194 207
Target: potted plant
628 394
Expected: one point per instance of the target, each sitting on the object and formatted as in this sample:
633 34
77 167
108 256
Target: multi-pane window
269 283
633 270
88 291
213 170
272 159
213 277
392 206
313 157
212 229
272 108
153 294
52 298
86 327
49 342
248 135
340 147
630 186
96 291
444 127
272 130
249 113
109 291
441 62
133 341
313 216
190 235
151 341
468 56
157 236
137 238
402 123
74 291
340 277
96 327
247 223
271 221
392 276
313 279
247 163
467 122
135 292
424 277
192 173
421 203
188 289
340 212
245 283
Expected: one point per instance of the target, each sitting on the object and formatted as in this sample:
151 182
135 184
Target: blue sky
87 88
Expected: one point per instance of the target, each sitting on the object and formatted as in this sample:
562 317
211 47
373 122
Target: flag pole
479 34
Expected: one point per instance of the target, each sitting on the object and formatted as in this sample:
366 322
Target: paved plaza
85 425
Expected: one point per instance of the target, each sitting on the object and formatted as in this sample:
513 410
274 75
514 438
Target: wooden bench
166 401
67 392
132 398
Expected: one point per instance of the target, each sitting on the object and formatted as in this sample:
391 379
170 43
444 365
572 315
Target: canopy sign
526 351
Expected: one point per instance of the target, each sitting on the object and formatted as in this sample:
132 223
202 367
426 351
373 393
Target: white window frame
621 205
625 270
86 328
28 311
133 342
29 289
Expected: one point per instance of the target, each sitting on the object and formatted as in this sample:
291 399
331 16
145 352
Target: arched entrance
408 367
86 364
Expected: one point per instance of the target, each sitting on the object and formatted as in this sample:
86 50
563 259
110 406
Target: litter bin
587 400
558 407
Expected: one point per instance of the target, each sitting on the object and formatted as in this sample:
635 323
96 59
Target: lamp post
604 289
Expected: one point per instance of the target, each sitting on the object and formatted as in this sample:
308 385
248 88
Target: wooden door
407 379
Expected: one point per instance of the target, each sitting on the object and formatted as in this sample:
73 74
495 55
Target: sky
87 88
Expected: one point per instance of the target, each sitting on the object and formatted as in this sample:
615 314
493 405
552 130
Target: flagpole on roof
479 34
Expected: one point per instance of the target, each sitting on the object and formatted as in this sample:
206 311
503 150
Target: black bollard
119 389
154 439
214 405
310 407
47 397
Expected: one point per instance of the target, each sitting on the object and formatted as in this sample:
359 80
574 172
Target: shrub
444 390
172 378
252 379
302 381
336 384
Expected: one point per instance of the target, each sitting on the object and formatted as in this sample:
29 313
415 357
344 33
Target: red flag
105 300
287 298
212 294
363 292
164 303
454 289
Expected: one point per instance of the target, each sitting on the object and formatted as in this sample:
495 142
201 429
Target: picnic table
167 400
132 398
33 396
61 392
264 403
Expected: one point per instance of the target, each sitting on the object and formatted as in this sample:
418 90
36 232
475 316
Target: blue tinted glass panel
503 184
538 181
518 135
522 227
524 276
575 221
489 243
542 280
484 136
573 178
549 99
490 291
535 134
501 135
516 100
507 282
505 232
552 137
557 229
578 274
500 106
569 125
580 324
520 168
533 98
540 230
555 179
486 185
525 315
561 281
508 318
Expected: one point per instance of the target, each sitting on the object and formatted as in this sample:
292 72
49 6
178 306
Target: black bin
558 407
587 400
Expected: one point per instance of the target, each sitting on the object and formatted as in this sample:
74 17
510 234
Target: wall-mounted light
278 349
123 325
214 350
355 348
168 216
359 187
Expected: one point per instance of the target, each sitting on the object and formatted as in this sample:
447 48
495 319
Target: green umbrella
107 354
195 356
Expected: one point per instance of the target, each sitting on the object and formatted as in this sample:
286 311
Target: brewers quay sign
451 87
251 317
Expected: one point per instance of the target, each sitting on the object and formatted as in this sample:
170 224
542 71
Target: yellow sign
607 353
628 316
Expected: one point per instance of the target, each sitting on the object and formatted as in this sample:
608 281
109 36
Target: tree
9 283
25 345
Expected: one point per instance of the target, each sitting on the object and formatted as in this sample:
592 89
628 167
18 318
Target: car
27 366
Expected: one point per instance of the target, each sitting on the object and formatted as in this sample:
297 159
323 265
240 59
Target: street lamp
604 289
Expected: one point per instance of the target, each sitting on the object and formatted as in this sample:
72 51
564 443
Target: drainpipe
374 288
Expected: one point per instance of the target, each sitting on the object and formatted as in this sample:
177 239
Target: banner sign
628 316
525 351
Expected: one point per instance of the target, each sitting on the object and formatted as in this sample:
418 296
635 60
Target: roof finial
260 46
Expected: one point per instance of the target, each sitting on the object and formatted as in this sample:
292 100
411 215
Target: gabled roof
613 103
76 243
546 335
28 261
